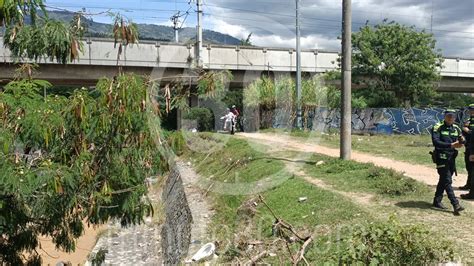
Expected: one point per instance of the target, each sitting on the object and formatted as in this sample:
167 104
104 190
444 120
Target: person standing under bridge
447 138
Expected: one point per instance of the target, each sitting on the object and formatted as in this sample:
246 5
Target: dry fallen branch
231 166
281 224
301 252
257 258
208 189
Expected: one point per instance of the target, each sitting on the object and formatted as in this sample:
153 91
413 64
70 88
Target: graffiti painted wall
382 121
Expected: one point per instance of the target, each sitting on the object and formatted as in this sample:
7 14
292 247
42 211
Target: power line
439 33
175 19
328 26
253 11
115 8
331 20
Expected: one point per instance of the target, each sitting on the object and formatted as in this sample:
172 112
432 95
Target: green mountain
149 31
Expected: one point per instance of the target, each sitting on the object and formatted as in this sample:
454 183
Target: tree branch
257 258
301 252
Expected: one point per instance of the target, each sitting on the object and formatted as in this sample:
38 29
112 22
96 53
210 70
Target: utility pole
198 47
346 112
431 19
299 122
175 20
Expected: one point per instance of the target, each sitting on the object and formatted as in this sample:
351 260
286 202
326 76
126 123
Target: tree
39 36
246 42
398 60
317 92
84 157
68 160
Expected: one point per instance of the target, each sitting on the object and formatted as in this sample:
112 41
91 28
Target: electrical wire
306 21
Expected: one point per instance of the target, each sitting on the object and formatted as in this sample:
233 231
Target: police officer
446 139
467 129
470 160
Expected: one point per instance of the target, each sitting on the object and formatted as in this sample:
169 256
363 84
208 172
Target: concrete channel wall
176 232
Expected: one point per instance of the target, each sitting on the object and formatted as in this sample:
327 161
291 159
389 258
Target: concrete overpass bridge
168 60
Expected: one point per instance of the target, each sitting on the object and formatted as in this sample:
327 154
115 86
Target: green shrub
234 97
391 243
175 141
391 183
204 117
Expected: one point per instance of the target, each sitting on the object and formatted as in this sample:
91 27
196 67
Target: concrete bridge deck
246 63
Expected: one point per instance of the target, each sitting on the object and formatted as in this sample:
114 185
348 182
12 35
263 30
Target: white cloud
307 42
219 25
313 41
273 24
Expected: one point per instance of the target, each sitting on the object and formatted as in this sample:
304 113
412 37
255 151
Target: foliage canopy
399 61
69 160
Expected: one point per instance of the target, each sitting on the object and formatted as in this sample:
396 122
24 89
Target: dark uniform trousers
469 168
446 168
469 165
443 136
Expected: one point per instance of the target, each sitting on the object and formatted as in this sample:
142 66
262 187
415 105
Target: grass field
254 166
351 176
237 162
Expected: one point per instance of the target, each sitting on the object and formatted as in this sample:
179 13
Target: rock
151 180
302 199
320 163
272 254
64 263
205 252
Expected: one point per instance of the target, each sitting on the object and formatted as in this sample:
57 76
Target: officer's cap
450 112
471 106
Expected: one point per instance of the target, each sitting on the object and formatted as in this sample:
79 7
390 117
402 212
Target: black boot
458 209
438 205
467 196
465 187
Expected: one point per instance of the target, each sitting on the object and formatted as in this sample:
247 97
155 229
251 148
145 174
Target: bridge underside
87 75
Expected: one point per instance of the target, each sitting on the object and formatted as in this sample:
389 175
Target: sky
272 22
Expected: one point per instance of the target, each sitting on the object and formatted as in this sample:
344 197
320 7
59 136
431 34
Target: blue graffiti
413 121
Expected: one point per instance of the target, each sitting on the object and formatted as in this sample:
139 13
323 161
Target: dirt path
51 256
427 175
200 207
296 169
